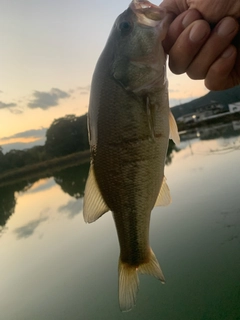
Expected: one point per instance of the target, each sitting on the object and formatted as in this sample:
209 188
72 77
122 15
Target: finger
222 74
174 6
220 38
188 45
178 25
215 10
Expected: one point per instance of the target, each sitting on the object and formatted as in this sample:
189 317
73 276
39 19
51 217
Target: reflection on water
54 266
71 180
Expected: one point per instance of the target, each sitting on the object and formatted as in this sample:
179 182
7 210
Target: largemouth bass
129 127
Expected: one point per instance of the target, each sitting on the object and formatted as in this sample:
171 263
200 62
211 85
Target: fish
129 126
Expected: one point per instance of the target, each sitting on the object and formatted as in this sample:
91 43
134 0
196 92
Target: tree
73 180
171 147
2 160
7 204
67 135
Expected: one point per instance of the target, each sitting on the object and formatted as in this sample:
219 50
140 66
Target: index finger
181 22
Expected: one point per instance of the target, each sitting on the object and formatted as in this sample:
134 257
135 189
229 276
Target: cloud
84 90
45 100
42 187
27 230
72 208
24 140
33 133
7 105
16 111
173 90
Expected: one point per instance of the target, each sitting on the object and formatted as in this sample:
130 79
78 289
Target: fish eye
125 26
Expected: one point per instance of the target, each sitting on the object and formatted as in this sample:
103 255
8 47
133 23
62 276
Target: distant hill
224 97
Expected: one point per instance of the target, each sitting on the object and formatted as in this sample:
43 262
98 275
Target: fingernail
227 53
198 33
226 27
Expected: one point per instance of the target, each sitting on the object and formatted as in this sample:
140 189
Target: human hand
214 10
198 50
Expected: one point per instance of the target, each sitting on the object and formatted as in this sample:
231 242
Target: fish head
139 59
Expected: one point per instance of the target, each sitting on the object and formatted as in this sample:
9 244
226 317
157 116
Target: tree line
66 135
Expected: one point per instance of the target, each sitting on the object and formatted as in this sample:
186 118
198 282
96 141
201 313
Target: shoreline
44 168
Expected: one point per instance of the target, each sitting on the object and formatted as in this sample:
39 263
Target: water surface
54 266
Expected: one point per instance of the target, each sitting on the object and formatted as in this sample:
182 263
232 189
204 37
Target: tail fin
129 282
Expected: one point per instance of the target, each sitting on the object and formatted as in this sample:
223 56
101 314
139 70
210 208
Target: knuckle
196 73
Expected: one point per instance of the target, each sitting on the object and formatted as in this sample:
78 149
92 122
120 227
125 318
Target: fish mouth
148 14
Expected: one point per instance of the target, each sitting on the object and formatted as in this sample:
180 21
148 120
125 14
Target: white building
234 107
187 118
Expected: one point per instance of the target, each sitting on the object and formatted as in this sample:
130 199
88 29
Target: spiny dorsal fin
173 129
93 204
164 196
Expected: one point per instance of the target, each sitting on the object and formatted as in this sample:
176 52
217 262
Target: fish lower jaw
148 14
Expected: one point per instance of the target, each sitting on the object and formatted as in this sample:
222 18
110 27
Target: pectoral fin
164 196
173 129
93 204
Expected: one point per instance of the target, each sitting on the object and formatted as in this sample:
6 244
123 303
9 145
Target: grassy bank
43 169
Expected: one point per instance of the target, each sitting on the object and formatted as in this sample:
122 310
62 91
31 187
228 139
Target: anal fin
164 196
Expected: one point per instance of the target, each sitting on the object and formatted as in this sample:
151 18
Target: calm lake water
54 266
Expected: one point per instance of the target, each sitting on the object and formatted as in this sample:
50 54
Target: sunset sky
47 56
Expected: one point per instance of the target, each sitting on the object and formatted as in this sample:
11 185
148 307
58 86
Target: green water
53 266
